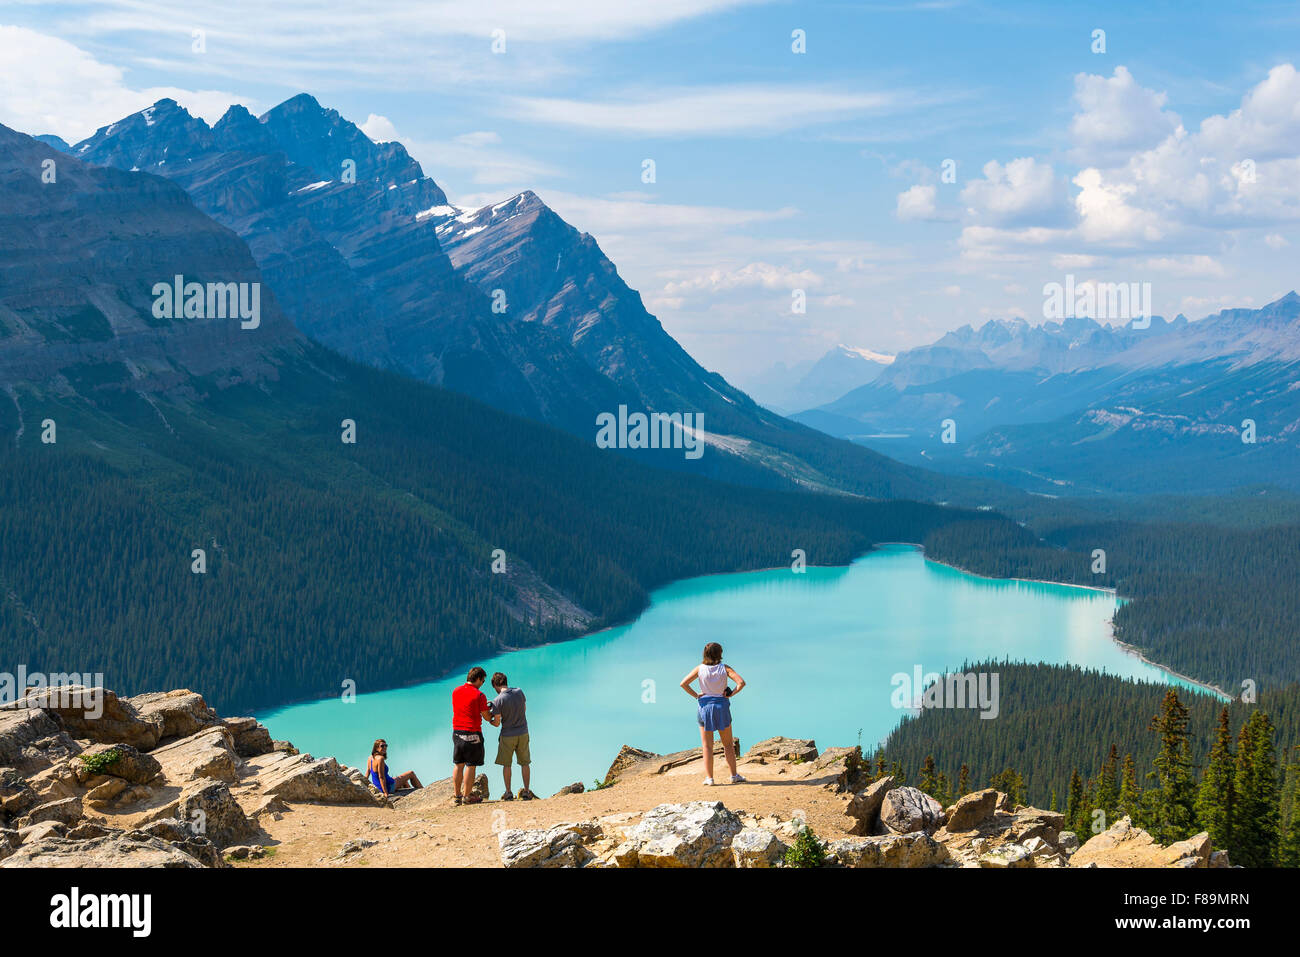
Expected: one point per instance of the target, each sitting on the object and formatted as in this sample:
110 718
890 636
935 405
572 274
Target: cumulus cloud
754 275
1117 116
52 86
1024 190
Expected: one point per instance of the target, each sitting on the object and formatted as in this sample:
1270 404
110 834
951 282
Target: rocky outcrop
1124 844
972 810
133 849
250 737
303 779
757 847
562 846
784 749
864 807
906 809
116 761
210 810
915 849
95 714
178 713
681 835
31 740
208 754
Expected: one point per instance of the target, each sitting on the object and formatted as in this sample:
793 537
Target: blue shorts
715 712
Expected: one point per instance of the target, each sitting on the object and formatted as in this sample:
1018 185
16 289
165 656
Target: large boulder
908 809
564 845
1007 856
208 754
16 794
757 847
915 849
64 811
178 713
864 807
972 810
1125 845
1031 822
117 761
323 781
784 749
31 740
131 849
95 714
209 810
251 738
844 768
697 834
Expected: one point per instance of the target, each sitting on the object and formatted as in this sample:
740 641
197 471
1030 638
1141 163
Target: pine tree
1168 812
1216 801
1051 805
1108 784
963 781
896 772
1084 820
1012 784
1130 795
942 794
1073 799
1288 843
928 783
1255 827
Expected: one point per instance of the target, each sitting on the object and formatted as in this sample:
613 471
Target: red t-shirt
467 707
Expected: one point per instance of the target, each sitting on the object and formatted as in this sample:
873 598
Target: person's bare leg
469 779
706 745
524 769
415 781
505 776
455 778
729 749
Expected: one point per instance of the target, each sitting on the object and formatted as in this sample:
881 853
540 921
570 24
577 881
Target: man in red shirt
469 706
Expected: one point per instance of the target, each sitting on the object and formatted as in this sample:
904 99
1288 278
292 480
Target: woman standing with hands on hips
714 699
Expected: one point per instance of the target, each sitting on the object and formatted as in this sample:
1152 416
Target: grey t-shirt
510 704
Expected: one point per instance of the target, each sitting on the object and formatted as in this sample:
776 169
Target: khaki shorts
517 746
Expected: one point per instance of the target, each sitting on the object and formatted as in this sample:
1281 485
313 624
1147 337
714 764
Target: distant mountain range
1079 407
508 303
806 385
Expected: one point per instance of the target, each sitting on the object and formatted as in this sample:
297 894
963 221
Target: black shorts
467 748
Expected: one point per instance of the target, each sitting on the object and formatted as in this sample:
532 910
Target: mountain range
815 382
508 303
1078 407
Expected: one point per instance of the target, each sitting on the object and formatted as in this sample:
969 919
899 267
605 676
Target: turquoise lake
818 650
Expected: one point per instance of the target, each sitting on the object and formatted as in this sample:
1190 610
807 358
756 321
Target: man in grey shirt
510 706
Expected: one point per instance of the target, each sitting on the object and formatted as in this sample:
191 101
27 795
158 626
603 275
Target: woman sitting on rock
377 771
715 707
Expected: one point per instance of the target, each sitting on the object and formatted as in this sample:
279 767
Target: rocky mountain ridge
160 780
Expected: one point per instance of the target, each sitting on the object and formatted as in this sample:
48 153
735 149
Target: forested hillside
1080 741
371 561
1214 603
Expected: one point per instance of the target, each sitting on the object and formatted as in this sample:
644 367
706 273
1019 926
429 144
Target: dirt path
426 829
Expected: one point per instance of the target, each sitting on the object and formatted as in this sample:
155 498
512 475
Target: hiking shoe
737 779
526 795
708 782
473 799
510 797
459 799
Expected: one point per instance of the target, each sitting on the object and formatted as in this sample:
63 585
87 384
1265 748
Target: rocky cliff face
81 249
160 780
509 303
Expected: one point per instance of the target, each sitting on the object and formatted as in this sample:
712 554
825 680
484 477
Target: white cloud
52 86
917 204
754 275
379 128
1024 190
706 111
1116 114
1276 241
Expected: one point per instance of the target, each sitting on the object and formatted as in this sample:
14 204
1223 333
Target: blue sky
1171 158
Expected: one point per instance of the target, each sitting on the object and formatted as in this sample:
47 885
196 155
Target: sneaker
473 799
526 795
510 797
459 799
737 779
708 782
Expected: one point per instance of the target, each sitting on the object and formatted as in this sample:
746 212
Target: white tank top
713 679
